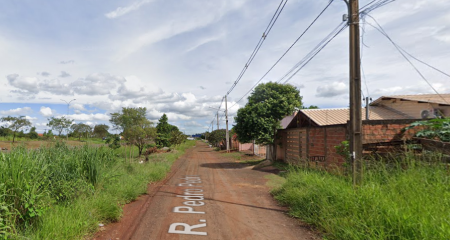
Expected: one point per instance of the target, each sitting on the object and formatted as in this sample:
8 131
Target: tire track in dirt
237 204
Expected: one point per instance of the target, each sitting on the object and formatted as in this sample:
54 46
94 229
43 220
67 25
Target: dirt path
207 196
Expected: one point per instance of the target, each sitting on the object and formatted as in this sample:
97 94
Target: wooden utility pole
226 122
355 92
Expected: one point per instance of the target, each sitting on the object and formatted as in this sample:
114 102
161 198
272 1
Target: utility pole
226 121
217 120
355 92
367 108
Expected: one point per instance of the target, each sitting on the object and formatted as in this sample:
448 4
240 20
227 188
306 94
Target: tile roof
429 98
336 116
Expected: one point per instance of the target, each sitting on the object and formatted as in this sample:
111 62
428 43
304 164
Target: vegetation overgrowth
437 129
406 200
63 192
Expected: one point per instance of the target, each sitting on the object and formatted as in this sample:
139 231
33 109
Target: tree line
131 123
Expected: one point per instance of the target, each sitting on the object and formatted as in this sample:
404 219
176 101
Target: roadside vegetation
64 187
407 199
64 192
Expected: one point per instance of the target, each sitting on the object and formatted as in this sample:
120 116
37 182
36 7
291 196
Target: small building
312 134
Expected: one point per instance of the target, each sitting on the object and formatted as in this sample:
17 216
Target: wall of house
318 143
414 108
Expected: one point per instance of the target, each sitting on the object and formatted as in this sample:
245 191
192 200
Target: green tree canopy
136 128
33 134
16 124
216 137
164 130
81 129
59 124
101 130
127 118
267 106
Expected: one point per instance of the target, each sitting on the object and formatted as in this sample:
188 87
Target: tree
80 130
5 131
59 124
101 130
177 137
136 128
267 106
164 129
127 118
16 123
216 137
311 107
140 135
33 134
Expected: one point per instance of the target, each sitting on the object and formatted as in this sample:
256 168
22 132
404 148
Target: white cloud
46 111
78 106
96 84
26 85
17 111
120 11
331 90
89 117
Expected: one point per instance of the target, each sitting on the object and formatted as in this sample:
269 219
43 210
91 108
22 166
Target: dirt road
207 196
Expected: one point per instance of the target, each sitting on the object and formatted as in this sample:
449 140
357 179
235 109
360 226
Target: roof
336 116
288 119
427 98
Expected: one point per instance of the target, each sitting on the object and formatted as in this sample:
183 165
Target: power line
282 56
383 32
302 63
261 41
364 11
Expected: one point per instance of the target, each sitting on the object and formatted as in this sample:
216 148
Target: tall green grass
64 192
407 200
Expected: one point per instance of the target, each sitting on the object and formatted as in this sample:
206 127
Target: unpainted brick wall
386 131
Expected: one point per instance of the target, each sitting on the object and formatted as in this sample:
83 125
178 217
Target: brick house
312 134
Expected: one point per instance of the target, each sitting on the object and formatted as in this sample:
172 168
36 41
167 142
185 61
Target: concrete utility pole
218 120
226 121
367 108
355 92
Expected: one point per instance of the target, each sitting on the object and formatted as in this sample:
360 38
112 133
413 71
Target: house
312 134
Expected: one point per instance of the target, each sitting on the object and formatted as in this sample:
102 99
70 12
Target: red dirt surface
237 204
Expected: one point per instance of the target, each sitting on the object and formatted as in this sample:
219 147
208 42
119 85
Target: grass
242 157
64 192
407 200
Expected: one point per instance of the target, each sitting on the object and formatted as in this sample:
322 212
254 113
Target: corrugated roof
336 116
429 98
286 120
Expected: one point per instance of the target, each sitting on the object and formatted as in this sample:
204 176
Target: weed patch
64 192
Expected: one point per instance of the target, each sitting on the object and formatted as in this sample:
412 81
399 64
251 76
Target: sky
181 57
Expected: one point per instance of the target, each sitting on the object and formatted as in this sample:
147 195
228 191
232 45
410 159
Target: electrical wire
261 41
282 56
302 63
375 4
384 33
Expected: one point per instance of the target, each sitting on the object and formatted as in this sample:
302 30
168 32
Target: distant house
417 106
312 134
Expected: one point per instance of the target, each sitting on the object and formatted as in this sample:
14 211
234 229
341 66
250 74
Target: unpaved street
207 196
